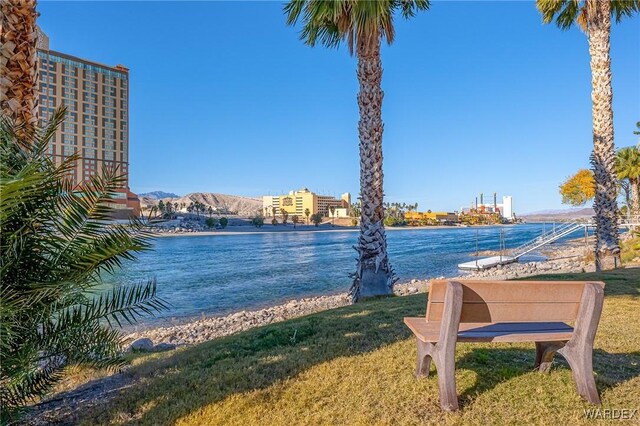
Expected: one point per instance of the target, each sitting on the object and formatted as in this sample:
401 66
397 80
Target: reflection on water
219 274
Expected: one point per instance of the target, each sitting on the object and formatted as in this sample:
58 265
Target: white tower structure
507 207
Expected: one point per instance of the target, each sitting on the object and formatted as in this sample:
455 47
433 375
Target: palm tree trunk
18 73
603 156
634 204
374 275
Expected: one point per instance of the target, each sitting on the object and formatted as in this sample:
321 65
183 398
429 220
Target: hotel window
90 87
108 155
90 97
90 142
69 70
68 150
109 91
109 144
90 153
69 81
89 109
51 148
69 127
68 139
89 120
90 75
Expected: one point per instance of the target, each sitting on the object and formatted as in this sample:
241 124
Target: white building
505 208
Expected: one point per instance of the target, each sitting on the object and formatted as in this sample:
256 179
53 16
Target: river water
219 274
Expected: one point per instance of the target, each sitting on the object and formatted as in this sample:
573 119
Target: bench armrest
451 314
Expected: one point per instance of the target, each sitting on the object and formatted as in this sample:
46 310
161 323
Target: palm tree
307 213
19 75
594 17
362 24
57 243
628 167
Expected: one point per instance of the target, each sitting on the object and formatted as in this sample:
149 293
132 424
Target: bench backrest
511 301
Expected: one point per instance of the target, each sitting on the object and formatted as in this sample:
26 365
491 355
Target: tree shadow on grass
166 389
498 364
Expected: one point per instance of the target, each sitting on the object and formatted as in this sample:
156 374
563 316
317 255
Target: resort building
96 127
297 202
420 217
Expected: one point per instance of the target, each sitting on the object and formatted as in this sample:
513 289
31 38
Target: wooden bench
509 311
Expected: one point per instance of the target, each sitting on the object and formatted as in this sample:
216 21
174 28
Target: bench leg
581 363
445 364
544 355
444 359
579 350
424 359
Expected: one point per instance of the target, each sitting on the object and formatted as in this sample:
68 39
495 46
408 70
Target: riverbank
567 258
274 373
270 229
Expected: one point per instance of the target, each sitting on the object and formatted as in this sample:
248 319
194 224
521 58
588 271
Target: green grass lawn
354 365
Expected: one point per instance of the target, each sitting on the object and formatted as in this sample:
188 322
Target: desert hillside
245 206
560 215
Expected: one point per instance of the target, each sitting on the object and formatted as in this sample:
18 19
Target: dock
546 238
487 262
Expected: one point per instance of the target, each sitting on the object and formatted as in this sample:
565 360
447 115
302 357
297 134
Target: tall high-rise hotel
96 127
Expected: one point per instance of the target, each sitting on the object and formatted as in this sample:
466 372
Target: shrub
393 221
316 218
211 222
224 222
354 222
56 242
257 221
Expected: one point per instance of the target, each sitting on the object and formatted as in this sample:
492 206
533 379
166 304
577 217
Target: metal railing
547 237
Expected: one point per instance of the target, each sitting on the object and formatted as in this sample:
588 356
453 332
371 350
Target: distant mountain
156 195
562 214
244 206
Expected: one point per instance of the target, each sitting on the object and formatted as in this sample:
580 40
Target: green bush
316 218
258 221
211 222
393 221
224 222
56 242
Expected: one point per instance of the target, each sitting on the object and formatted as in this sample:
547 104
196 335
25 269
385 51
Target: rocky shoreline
568 258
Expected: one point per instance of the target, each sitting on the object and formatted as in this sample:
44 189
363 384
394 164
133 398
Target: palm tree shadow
170 387
189 379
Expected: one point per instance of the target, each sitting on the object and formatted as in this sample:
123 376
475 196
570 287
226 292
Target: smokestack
476 203
495 201
481 199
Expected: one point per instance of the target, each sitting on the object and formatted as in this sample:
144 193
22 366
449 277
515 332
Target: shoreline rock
569 258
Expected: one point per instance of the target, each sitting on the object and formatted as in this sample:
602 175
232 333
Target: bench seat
429 331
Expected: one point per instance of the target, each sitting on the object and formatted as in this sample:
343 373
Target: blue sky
479 97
